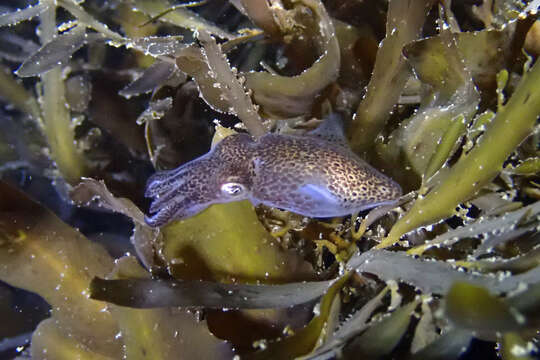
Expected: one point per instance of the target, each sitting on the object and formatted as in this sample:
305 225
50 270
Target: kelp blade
148 293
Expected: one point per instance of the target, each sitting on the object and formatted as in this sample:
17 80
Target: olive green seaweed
13 91
426 329
442 107
225 77
446 146
227 242
448 346
153 333
56 116
50 342
514 347
512 124
529 166
511 221
85 18
431 134
23 14
40 253
57 262
349 328
179 17
472 307
404 24
305 339
286 96
381 338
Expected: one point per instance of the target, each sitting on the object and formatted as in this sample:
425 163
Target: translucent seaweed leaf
14 91
448 143
473 308
493 204
16 48
50 342
158 45
232 90
351 327
153 77
420 137
499 238
494 227
260 13
445 115
305 339
148 293
437 61
227 242
143 236
162 334
191 61
19 15
488 52
156 110
448 346
382 337
85 18
59 128
483 53
530 166
168 152
293 96
425 331
434 276
514 347
516 264
499 13
180 17
526 301
54 53
40 253
377 213
512 124
56 117
404 23
78 93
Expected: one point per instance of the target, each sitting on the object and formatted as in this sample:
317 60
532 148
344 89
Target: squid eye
232 189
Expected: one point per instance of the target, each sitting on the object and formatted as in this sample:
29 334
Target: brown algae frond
442 97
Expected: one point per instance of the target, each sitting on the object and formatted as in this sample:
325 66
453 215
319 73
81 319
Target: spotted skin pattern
310 175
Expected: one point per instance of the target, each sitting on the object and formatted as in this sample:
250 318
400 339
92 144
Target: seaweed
512 124
95 96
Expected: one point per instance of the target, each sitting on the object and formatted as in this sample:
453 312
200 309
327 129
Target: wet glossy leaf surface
442 97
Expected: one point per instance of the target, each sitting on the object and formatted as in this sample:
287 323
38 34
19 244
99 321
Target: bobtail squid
315 175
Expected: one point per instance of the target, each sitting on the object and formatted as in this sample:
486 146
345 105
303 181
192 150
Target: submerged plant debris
441 96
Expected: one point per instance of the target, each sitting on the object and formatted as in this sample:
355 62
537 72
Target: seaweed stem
56 116
85 18
404 24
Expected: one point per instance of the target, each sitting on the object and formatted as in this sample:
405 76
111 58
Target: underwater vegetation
442 96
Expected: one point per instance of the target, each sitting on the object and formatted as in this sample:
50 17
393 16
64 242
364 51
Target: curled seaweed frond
290 96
